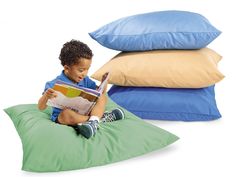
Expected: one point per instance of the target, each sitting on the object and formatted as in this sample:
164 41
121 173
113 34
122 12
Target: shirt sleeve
48 85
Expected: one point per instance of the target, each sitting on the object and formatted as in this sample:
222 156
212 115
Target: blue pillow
166 103
157 30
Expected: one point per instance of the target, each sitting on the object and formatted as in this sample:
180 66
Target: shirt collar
64 78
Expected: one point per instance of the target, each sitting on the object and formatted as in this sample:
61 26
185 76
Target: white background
31 36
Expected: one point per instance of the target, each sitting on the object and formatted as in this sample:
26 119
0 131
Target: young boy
76 58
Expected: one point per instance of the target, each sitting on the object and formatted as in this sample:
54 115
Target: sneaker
115 114
87 129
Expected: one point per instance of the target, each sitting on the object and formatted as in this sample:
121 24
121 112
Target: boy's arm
48 94
105 86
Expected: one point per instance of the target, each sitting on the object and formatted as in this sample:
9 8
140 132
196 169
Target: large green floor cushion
48 146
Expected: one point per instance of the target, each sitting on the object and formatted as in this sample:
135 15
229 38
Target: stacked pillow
164 70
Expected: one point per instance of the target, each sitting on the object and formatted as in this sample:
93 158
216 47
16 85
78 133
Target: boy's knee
66 117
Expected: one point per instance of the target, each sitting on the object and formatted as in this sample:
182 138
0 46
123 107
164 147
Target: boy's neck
69 78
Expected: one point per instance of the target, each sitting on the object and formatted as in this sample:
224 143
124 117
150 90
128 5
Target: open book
79 99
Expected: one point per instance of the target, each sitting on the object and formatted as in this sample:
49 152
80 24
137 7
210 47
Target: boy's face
78 71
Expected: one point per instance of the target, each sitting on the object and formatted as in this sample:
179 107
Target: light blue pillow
166 103
157 30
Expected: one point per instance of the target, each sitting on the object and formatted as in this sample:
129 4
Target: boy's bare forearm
49 93
105 89
42 103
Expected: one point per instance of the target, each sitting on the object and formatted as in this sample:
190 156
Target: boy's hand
50 93
105 86
104 76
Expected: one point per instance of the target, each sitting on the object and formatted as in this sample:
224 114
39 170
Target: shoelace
94 124
109 117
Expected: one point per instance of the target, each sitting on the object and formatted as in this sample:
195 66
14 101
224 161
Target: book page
78 104
79 99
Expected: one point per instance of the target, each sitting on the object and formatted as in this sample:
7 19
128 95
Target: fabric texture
49 147
157 30
167 104
163 68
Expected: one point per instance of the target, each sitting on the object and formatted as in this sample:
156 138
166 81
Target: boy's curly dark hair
72 51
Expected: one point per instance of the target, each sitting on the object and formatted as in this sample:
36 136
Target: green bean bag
49 147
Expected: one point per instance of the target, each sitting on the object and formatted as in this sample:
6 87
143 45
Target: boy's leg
89 128
99 107
70 117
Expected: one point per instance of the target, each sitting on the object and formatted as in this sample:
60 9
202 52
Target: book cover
79 99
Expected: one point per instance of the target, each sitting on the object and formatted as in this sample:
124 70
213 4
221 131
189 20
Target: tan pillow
163 68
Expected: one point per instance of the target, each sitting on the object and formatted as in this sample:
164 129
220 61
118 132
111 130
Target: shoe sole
83 131
122 112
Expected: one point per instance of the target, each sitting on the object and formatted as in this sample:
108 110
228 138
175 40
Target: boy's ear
66 67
